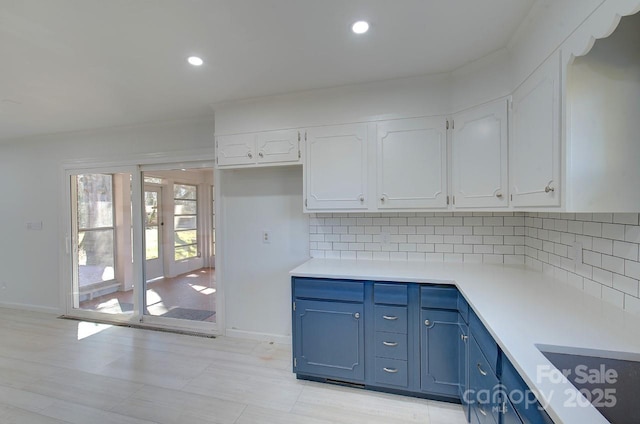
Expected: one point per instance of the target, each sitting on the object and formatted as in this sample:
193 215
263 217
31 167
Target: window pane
186 237
186 252
95 201
185 223
151 207
151 242
95 256
183 191
185 207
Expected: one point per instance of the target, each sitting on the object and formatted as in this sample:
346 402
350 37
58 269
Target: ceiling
68 65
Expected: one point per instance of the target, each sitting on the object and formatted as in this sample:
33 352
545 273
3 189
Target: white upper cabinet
268 147
336 167
412 163
278 146
535 142
235 149
479 157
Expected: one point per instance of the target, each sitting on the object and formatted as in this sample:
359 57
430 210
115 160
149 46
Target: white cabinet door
235 149
479 157
278 146
336 167
535 142
412 163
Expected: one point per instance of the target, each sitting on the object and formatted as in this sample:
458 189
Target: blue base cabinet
439 336
330 339
408 338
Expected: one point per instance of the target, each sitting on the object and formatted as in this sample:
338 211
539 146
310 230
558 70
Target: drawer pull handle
483 373
390 317
482 411
390 370
391 344
356 315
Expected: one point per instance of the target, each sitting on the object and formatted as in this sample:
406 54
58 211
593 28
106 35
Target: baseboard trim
263 337
30 308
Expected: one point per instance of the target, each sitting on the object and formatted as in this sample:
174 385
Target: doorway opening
173 277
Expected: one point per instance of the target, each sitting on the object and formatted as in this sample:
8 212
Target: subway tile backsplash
610 267
424 236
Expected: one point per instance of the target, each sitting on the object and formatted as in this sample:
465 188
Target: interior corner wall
257 286
33 192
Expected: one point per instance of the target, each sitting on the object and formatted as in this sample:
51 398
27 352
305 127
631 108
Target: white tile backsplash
544 241
428 236
611 262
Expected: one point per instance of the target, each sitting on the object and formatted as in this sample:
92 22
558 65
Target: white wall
31 171
257 286
408 97
603 96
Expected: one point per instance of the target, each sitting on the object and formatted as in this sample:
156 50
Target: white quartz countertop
522 309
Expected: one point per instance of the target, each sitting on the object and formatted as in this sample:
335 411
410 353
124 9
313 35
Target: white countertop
521 308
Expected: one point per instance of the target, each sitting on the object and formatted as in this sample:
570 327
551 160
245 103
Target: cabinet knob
463 337
362 198
548 189
427 322
499 195
261 154
356 315
250 155
382 199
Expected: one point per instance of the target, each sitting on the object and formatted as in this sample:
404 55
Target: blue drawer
391 345
392 319
486 343
390 293
317 288
484 396
391 372
439 297
529 411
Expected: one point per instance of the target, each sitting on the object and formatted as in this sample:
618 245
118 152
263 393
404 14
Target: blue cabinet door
329 339
439 339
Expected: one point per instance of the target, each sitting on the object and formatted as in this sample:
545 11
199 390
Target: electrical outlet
266 236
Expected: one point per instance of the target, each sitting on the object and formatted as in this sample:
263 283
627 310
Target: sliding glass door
141 245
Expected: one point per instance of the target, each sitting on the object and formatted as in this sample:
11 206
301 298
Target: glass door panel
101 243
185 290
154 267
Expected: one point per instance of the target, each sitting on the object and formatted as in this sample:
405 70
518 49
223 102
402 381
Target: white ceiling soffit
79 64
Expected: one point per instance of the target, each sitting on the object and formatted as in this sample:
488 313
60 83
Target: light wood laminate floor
62 371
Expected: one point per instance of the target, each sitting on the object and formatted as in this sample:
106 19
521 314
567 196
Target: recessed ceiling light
360 27
195 61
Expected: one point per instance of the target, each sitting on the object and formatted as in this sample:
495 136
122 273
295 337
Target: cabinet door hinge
294 306
216 159
298 136
447 200
295 362
305 136
447 124
454 200
511 196
299 154
305 203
